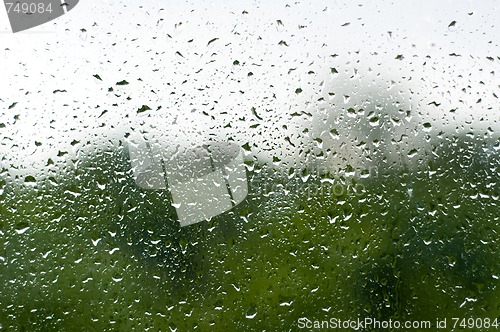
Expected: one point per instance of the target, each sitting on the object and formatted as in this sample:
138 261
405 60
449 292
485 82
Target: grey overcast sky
181 56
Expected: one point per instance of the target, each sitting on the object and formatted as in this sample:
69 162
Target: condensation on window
250 166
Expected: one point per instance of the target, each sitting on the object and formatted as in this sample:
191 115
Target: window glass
250 165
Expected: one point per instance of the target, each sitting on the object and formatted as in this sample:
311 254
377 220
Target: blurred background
398 100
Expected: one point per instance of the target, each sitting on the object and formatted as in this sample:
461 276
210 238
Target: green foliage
89 250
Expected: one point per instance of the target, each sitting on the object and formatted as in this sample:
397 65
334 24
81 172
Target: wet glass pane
249 166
